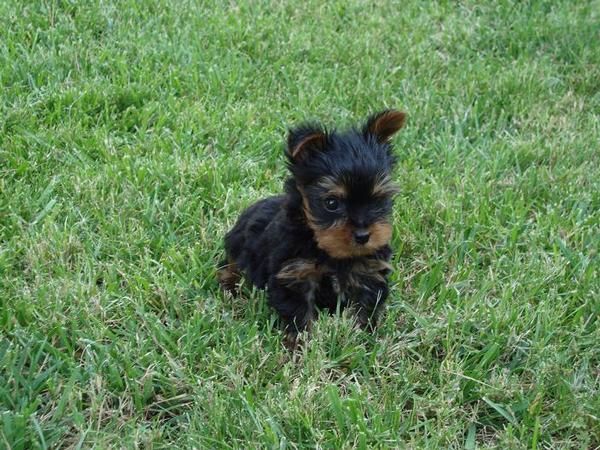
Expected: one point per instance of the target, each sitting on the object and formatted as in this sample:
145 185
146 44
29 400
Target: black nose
361 236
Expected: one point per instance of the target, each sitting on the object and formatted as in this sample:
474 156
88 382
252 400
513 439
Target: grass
132 134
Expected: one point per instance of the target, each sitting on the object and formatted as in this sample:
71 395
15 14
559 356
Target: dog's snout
361 236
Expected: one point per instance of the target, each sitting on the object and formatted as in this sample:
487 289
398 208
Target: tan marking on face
339 243
308 213
381 233
385 186
337 240
332 188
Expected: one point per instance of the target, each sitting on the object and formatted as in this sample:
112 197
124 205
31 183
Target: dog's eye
332 204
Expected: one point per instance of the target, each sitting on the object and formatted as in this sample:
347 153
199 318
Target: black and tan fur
324 243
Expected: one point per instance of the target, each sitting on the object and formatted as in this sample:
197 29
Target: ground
133 133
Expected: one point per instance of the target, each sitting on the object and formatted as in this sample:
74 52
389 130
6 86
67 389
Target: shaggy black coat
324 243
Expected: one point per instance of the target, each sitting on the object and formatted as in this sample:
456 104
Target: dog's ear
385 124
305 140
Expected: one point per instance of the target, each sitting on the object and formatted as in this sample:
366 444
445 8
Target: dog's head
345 182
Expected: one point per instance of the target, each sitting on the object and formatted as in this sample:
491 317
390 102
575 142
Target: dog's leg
330 295
228 276
295 305
368 290
368 299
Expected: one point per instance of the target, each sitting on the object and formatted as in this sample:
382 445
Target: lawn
132 134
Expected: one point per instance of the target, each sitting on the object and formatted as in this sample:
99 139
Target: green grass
133 133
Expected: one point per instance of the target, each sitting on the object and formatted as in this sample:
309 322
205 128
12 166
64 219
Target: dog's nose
361 236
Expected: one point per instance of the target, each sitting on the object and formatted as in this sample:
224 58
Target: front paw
291 340
366 320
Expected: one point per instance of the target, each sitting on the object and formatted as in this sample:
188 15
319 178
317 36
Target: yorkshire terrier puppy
324 243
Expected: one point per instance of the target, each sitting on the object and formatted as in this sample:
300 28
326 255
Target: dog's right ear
384 124
304 141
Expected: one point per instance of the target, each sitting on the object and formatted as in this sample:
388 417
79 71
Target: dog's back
247 243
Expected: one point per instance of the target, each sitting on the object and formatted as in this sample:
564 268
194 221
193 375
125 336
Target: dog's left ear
304 141
385 124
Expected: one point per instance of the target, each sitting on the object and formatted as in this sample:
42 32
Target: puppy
324 242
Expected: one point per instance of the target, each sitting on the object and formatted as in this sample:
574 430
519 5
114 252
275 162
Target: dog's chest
340 279
354 276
